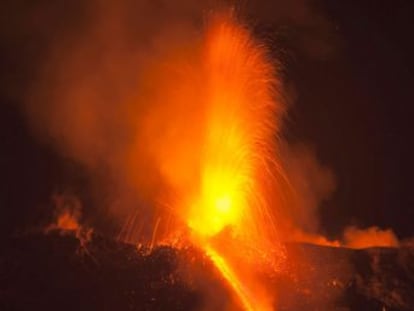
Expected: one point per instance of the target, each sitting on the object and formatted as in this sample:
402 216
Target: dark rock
53 272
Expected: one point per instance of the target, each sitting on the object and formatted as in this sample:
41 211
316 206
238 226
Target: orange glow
204 153
369 237
352 238
67 219
67 214
249 301
227 209
313 238
237 146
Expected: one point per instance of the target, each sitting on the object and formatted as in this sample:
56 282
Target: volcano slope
54 272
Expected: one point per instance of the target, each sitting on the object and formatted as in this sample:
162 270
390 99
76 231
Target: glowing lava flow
228 214
228 274
237 286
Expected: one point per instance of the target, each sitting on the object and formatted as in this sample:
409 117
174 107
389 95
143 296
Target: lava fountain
227 213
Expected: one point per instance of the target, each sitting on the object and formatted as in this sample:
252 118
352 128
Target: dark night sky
354 105
357 110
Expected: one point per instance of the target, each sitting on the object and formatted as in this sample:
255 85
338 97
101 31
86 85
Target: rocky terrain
53 272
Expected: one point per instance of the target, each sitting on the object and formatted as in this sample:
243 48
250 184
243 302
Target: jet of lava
228 213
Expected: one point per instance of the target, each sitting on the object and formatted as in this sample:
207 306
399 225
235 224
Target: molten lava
211 130
228 214
248 296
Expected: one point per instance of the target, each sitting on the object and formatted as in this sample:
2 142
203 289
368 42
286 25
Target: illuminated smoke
185 121
185 128
369 237
68 212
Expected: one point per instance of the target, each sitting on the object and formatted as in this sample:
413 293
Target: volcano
181 133
54 271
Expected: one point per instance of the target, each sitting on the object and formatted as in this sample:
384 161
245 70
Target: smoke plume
115 88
